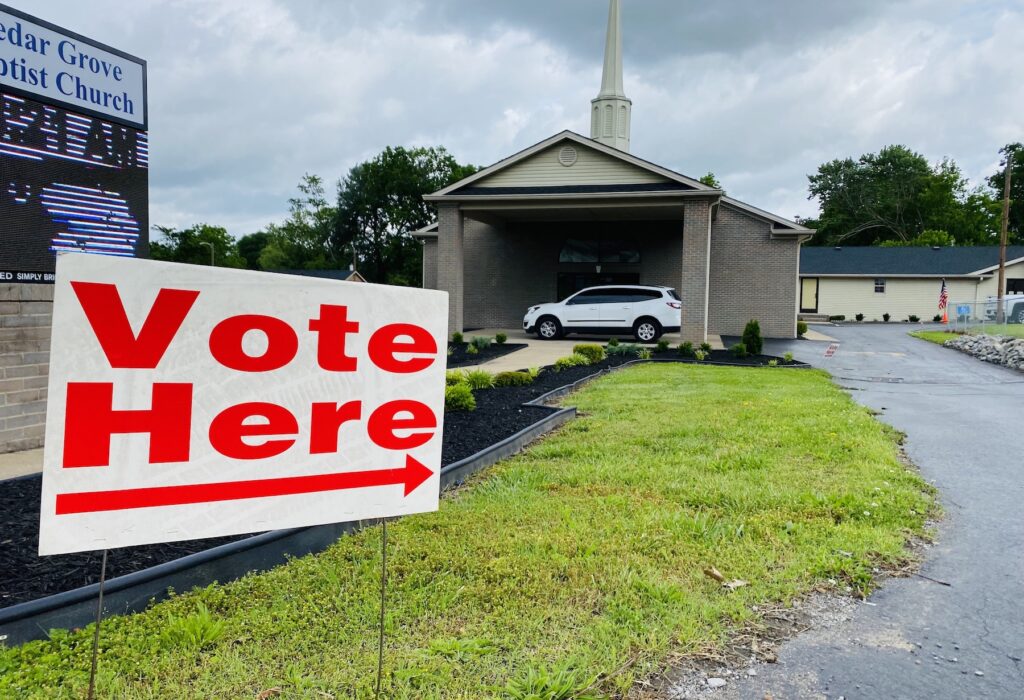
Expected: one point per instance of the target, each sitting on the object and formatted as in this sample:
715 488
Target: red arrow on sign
412 475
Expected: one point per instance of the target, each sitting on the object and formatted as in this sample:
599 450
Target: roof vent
567 156
936 247
839 247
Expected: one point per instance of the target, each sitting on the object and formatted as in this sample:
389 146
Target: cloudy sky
247 95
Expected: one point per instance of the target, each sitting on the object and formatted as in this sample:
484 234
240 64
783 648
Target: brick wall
430 263
752 276
450 265
693 287
25 311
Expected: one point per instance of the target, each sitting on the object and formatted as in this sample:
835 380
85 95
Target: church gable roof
570 163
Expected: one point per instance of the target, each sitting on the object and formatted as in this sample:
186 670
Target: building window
1015 286
880 286
590 251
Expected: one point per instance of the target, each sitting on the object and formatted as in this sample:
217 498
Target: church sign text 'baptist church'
43 61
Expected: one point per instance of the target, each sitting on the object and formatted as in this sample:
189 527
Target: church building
573 212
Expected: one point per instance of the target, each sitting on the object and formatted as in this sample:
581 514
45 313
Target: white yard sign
189 402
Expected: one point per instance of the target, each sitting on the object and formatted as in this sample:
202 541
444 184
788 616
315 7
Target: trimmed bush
739 350
512 379
859 317
459 398
593 352
788 358
914 319
479 379
644 353
705 348
471 350
773 363
614 342
752 337
801 328
685 349
886 317
937 318
569 361
500 338
454 376
457 338
662 346
623 350
480 342
700 355
534 372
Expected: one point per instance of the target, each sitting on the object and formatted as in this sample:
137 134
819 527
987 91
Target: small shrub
512 379
937 318
706 348
479 379
454 376
194 632
739 350
801 328
752 337
545 684
569 361
859 317
886 317
614 342
500 338
457 338
840 317
686 349
914 319
459 398
624 350
644 353
662 346
480 342
699 355
773 363
471 350
788 358
593 352
534 372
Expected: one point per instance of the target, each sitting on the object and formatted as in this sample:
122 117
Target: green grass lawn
1013 329
938 337
577 559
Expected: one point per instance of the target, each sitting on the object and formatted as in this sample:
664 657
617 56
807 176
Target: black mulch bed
460 358
26 576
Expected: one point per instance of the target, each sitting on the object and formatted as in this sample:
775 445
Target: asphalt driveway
964 422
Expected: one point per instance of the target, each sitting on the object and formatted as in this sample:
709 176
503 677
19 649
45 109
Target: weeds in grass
545 684
193 632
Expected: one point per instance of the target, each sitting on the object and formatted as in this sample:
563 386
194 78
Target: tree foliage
250 247
896 195
998 182
710 180
303 240
381 201
192 245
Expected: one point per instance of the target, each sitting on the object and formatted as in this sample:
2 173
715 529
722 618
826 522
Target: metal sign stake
383 588
96 631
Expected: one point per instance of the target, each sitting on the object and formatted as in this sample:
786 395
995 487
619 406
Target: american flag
943 297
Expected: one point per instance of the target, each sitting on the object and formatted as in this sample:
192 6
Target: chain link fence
983 317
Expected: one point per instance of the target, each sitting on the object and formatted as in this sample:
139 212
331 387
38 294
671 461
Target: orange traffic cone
945 317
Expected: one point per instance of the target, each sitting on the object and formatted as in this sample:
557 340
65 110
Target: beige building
572 212
846 281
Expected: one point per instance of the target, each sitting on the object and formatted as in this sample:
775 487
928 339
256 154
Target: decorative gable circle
567 156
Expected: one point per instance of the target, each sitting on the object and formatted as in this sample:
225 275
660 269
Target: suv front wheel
647 330
548 328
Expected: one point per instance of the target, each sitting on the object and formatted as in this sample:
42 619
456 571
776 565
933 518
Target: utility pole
1003 234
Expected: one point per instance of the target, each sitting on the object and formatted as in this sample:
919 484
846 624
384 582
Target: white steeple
611 110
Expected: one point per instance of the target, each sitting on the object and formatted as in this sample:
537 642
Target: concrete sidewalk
14 464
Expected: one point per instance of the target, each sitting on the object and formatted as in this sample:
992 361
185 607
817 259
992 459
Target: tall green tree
251 246
998 182
192 245
381 201
711 181
895 195
303 240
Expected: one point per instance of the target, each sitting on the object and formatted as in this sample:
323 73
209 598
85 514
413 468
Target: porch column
693 287
450 272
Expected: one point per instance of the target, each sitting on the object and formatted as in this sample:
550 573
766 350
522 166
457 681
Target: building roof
853 261
345 275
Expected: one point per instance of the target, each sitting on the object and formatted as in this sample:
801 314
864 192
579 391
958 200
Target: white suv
644 311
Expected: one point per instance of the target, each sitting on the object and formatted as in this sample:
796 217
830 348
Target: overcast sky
247 95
